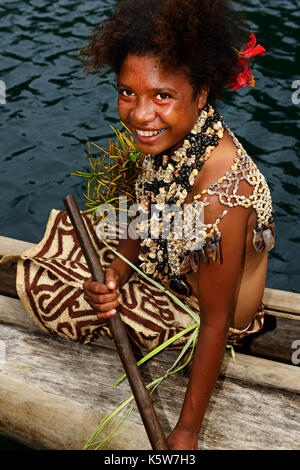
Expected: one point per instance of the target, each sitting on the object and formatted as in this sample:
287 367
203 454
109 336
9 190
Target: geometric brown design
50 278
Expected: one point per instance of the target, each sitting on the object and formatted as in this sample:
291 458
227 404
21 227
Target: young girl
173 59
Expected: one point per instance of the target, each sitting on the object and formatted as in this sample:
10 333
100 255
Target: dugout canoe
54 392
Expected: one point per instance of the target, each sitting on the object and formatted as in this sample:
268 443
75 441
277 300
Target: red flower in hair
244 75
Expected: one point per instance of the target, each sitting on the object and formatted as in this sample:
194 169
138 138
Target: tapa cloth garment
50 279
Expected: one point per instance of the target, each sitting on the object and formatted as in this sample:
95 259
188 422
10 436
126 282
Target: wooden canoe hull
53 392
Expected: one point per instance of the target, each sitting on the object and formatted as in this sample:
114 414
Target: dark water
52 112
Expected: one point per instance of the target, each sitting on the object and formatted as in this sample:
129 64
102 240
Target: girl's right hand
104 298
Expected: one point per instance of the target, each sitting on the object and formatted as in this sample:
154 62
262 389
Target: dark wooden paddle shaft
119 333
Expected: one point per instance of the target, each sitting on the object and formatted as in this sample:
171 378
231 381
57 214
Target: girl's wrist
188 427
183 439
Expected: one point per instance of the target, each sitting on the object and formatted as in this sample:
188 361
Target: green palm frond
113 172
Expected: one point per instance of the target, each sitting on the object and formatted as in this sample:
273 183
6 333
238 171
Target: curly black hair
197 37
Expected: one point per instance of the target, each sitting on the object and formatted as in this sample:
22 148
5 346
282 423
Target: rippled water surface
52 112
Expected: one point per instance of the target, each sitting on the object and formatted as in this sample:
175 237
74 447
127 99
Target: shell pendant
269 239
258 241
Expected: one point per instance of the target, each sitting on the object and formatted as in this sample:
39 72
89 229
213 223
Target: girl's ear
202 97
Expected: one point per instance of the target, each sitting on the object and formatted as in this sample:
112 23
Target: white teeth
147 133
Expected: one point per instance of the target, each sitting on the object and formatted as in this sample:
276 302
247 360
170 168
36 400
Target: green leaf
160 348
229 346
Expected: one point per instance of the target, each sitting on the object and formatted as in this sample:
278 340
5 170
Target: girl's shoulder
231 175
231 185
222 161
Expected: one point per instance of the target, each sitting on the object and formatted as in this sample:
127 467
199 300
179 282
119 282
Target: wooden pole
140 393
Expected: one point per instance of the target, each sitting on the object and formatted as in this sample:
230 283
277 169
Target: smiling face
159 107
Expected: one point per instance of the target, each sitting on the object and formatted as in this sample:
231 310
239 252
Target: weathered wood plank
282 301
10 246
46 421
12 312
250 369
263 372
276 341
280 314
8 274
275 344
53 392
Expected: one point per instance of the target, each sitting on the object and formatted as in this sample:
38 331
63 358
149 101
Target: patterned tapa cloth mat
50 279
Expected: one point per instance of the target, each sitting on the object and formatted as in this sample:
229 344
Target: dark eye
163 96
126 93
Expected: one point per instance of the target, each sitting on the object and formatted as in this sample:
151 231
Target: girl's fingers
100 299
106 316
95 287
104 308
111 279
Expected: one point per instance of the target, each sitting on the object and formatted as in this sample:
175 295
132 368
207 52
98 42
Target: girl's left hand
183 440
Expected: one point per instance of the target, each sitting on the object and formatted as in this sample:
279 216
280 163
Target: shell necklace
166 180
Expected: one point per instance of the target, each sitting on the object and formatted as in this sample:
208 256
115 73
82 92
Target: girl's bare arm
216 291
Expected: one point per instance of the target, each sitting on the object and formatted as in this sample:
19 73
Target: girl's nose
143 112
